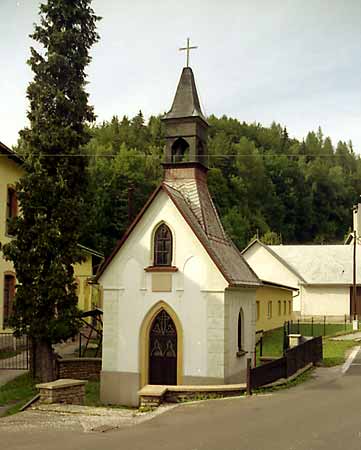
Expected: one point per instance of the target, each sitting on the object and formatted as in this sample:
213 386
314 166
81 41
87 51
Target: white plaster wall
215 334
235 299
124 312
325 300
268 267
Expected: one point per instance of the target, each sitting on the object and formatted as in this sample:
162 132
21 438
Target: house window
240 331
289 307
269 310
257 310
11 206
163 246
285 307
279 307
9 294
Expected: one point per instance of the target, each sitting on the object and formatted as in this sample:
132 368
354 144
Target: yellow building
273 305
11 169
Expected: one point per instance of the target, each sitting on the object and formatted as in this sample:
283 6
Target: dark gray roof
4 150
186 101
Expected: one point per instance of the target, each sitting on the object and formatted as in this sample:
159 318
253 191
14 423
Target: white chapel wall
235 299
128 293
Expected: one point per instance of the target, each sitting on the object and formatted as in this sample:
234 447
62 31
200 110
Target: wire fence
321 326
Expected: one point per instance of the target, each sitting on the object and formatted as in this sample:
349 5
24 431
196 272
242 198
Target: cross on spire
188 48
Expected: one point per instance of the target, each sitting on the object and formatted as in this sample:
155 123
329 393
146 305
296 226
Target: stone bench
62 391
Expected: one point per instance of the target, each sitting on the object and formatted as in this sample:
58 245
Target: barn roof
321 264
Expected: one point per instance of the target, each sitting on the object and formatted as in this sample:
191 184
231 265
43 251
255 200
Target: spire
185 125
186 101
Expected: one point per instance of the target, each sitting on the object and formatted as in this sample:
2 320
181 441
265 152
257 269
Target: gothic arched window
163 246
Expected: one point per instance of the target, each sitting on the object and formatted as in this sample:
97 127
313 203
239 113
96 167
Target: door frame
145 337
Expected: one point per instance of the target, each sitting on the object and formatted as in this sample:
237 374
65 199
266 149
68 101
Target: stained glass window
163 246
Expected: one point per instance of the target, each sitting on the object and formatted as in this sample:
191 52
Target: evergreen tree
46 234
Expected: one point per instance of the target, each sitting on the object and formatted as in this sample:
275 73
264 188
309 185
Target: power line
214 155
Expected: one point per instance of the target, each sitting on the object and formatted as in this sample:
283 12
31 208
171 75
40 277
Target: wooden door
355 308
163 350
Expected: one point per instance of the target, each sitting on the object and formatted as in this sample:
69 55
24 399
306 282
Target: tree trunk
42 361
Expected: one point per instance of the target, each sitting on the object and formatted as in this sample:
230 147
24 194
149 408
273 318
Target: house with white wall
323 274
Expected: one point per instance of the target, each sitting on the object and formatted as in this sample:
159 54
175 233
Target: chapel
179 299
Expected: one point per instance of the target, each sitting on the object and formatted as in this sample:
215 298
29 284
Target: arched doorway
163 350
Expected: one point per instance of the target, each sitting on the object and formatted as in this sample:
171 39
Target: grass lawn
320 329
5 354
334 351
17 392
272 344
92 394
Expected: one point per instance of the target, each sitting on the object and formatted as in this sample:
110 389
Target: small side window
11 206
269 310
9 294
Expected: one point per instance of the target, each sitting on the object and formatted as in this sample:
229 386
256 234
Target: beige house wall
273 295
10 172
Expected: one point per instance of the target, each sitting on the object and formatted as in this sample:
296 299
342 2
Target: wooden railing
293 360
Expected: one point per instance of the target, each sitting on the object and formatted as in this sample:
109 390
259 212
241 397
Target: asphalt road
323 413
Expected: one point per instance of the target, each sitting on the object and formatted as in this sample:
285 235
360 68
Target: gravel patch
77 418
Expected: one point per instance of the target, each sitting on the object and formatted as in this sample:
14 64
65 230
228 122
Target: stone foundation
153 395
62 391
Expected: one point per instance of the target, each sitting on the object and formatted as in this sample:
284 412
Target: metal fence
14 352
293 360
320 325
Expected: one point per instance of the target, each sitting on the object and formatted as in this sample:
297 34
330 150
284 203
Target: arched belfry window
163 243
240 331
180 150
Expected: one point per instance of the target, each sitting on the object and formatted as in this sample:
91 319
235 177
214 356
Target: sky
296 62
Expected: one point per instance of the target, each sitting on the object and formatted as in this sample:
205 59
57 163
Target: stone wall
79 368
62 391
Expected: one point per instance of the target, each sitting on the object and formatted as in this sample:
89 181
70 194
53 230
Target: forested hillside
262 181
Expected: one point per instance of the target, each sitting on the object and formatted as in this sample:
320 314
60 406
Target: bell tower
185 126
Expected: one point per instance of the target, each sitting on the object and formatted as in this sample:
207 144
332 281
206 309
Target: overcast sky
293 61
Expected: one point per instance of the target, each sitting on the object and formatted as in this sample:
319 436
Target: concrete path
8 375
348 337
322 413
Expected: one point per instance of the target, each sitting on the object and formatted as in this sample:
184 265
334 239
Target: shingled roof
186 102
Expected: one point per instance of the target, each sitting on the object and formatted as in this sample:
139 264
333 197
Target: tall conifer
46 233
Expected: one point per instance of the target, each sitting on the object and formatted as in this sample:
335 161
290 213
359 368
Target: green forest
263 182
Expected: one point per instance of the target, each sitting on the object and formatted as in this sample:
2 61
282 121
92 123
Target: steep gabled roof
186 101
269 249
221 250
4 150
